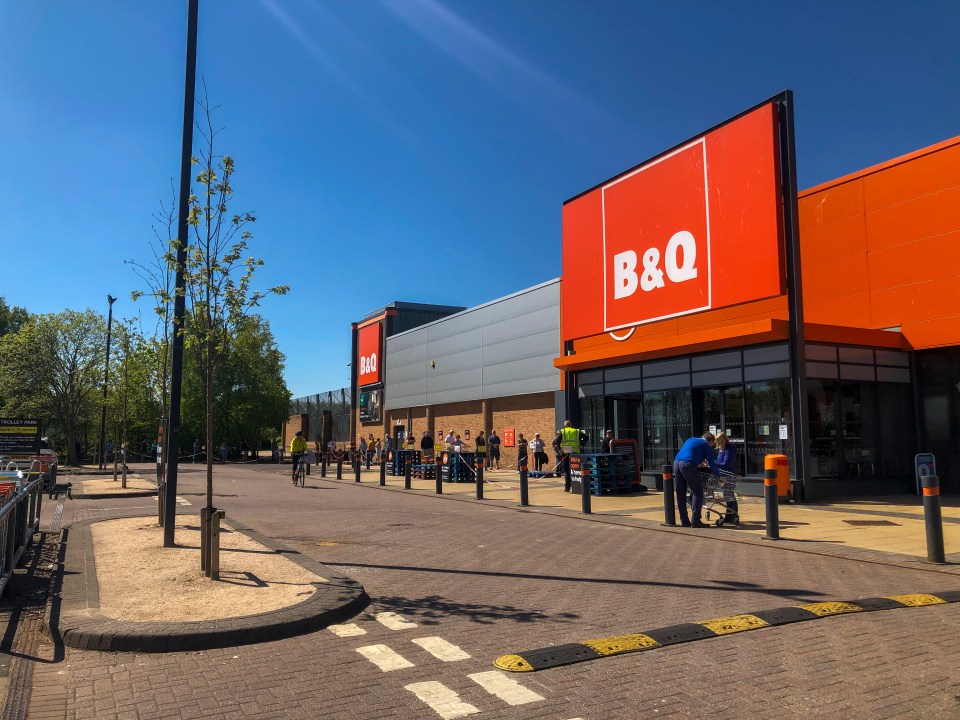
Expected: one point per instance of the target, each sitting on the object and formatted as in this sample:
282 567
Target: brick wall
527 414
291 426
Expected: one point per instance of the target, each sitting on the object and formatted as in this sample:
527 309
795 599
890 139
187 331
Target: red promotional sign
694 229
368 355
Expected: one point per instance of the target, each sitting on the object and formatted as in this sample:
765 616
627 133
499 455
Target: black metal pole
323 464
932 519
383 470
524 485
669 503
356 469
566 473
438 480
179 302
771 500
106 375
791 232
407 467
585 490
339 468
479 466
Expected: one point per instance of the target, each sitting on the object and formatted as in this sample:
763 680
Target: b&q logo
697 228
657 241
368 364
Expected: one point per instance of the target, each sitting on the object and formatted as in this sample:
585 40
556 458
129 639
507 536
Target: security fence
336 401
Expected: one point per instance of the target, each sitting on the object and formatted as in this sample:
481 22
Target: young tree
219 274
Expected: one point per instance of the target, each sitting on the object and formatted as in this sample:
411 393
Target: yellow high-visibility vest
570 440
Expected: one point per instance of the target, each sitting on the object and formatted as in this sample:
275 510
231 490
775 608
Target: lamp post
106 376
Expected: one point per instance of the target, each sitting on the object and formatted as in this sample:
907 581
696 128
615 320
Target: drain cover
871 523
400 525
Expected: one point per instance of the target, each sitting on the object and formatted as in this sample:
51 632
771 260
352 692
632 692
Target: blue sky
416 150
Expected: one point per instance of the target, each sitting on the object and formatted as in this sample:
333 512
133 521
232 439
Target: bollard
383 471
407 467
339 468
770 498
323 465
439 476
524 485
479 477
161 489
213 562
205 540
932 519
585 495
369 455
669 504
566 473
356 470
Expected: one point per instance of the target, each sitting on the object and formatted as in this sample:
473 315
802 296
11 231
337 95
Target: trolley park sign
696 228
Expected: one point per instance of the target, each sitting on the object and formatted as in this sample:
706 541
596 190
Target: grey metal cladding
503 348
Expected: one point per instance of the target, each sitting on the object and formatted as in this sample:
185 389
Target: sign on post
19 436
926 466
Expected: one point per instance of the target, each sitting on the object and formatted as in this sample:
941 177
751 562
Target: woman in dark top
727 461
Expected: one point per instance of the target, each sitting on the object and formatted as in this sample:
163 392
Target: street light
106 377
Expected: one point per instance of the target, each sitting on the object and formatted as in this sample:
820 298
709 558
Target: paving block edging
73 616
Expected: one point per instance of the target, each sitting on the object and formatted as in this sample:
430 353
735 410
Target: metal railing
19 517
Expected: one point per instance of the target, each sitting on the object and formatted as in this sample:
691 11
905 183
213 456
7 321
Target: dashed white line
441 649
182 501
441 699
505 688
384 658
347 630
394 621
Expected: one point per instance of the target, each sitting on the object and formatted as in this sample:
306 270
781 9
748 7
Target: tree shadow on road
433 609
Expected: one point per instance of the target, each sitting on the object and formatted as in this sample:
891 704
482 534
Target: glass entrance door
720 410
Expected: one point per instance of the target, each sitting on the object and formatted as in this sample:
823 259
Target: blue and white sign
926 465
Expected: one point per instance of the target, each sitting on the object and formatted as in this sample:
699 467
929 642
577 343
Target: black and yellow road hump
544 658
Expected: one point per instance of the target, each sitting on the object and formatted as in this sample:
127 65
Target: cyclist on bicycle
298 446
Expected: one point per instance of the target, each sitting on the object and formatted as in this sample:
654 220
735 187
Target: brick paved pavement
493 580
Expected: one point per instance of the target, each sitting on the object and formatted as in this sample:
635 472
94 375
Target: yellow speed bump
557 655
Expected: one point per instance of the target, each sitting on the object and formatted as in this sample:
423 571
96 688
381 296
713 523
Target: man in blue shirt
685 474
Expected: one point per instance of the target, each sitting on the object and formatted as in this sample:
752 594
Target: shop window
666 426
767 411
897 438
860 429
591 422
822 417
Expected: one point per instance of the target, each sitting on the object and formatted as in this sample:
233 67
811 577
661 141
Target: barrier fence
19 516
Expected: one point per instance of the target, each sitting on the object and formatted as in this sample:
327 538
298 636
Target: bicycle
300 472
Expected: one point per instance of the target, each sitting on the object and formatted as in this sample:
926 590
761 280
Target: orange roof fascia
929 150
750 333
371 321
839 335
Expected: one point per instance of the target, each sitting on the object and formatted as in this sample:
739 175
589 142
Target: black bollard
479 477
932 518
669 504
356 470
566 473
369 455
383 471
439 478
585 494
323 465
407 467
339 468
770 498
524 485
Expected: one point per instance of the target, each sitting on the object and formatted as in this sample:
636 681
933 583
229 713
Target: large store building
680 311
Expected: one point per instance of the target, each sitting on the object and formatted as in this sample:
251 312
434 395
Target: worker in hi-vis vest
570 439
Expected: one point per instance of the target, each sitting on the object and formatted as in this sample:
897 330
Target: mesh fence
336 401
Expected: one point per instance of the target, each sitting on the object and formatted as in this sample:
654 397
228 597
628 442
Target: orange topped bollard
781 464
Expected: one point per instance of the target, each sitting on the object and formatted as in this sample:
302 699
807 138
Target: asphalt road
467 579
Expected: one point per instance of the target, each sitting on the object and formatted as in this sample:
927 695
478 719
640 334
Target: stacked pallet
398 459
605 473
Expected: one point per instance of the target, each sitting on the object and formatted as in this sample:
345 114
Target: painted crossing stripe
441 699
558 655
441 649
384 658
394 621
183 501
347 630
505 688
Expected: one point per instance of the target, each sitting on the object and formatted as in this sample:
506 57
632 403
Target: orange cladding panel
902 264
838 203
933 333
920 176
837 279
826 243
916 303
914 219
851 311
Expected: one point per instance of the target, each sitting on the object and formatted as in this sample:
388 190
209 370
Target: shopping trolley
719 497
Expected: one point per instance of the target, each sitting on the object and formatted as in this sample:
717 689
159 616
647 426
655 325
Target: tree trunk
209 405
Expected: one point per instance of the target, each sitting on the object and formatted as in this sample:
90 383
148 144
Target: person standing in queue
521 450
493 454
605 443
570 439
482 446
426 446
693 452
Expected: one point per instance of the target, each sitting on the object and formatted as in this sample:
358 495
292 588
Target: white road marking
441 699
441 649
181 501
505 688
384 658
394 621
348 630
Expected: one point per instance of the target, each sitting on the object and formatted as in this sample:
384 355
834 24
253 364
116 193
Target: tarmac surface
457 582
